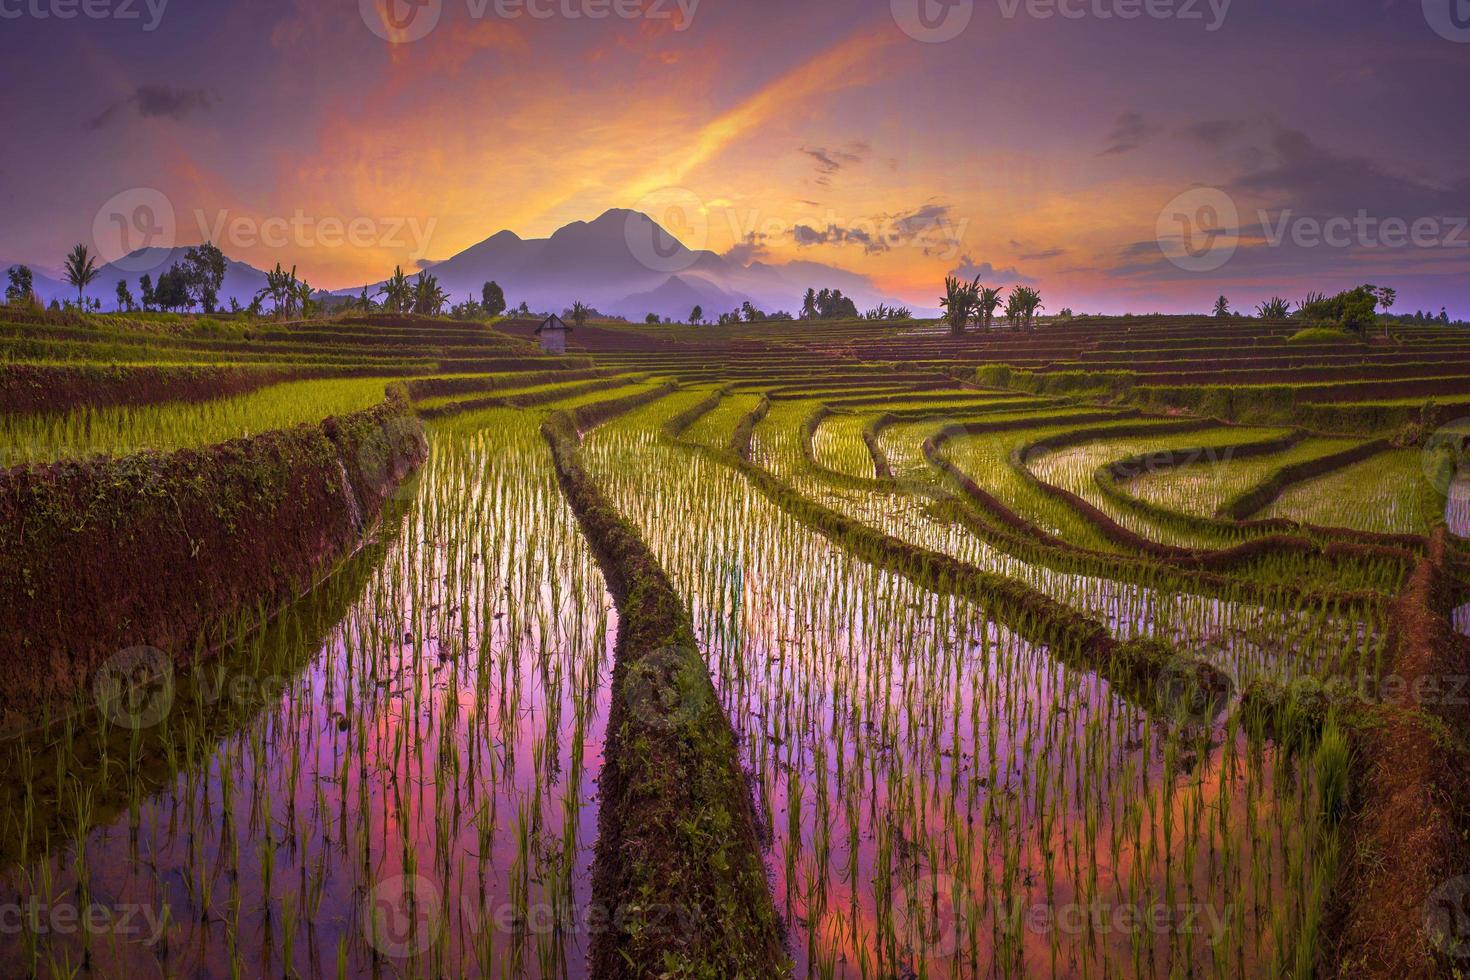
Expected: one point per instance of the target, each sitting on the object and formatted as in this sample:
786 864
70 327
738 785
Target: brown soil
106 555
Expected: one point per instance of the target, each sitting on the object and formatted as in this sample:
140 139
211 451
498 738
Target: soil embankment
164 550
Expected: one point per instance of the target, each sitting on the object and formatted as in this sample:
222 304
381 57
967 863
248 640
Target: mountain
241 282
624 263
679 295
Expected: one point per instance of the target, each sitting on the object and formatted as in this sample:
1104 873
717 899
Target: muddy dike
1399 900
106 556
34 388
678 883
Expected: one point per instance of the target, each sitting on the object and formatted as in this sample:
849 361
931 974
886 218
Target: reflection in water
395 777
941 798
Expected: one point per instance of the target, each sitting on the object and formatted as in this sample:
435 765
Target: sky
1119 155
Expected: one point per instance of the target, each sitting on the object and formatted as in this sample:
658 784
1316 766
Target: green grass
123 430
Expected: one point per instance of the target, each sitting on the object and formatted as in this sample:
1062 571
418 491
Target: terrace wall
106 555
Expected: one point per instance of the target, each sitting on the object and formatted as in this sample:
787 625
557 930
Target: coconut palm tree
81 269
960 302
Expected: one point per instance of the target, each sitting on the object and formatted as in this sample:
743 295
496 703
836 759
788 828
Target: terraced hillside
1114 648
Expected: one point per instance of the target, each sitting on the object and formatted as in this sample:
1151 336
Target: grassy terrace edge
104 556
676 817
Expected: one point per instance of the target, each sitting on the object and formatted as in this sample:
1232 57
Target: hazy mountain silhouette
241 281
623 263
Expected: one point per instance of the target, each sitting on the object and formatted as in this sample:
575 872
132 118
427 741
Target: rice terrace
747 567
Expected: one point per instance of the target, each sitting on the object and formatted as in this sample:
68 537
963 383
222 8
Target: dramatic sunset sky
1026 148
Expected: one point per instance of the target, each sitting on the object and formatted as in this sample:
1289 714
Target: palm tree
81 269
1222 308
1274 308
1028 301
280 286
397 292
1015 308
300 297
960 302
579 313
989 303
809 305
428 298
1387 296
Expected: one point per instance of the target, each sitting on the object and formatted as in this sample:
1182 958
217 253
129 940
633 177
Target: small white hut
553 333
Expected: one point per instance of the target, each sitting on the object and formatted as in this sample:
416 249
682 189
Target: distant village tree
696 315
172 291
81 269
145 292
580 311
492 298
205 267
22 286
124 297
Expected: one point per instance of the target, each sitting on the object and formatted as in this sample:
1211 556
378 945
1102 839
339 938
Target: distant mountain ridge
625 264
622 263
